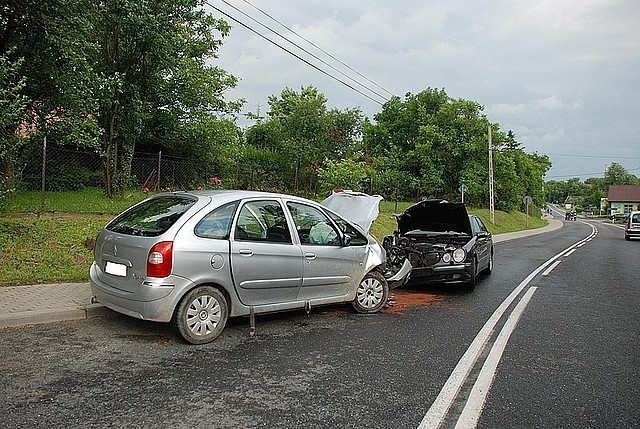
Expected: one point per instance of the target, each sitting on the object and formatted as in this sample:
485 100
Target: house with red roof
623 198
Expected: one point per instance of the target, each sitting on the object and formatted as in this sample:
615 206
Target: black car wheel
489 268
471 285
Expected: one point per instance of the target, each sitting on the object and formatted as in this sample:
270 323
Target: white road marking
548 270
440 407
569 252
473 408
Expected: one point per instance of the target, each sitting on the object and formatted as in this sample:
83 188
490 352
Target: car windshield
152 217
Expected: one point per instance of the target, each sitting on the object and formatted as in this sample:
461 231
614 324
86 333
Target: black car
443 243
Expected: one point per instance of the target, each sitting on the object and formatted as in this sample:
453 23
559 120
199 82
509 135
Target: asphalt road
570 361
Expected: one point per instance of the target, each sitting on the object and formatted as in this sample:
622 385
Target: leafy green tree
154 61
347 174
304 135
616 174
13 106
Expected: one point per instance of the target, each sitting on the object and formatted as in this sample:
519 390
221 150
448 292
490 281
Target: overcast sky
564 75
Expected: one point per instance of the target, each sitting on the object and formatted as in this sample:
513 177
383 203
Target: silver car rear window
152 217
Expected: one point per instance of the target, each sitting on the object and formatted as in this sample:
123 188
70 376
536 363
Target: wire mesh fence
52 168
62 169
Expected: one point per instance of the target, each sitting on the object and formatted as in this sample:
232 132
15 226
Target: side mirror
346 240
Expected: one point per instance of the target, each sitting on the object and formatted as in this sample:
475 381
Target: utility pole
491 203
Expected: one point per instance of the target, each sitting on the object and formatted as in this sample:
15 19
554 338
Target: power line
304 50
593 156
319 48
584 174
295 55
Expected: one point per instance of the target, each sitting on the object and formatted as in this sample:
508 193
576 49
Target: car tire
471 284
201 315
626 237
489 268
371 294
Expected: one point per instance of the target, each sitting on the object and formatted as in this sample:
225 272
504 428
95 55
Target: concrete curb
554 224
50 316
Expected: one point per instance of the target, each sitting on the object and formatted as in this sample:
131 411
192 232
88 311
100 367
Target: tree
13 106
154 63
616 174
304 135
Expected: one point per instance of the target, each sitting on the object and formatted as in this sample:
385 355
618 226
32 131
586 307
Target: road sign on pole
462 188
527 202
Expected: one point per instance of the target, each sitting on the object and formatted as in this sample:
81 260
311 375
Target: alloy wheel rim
203 315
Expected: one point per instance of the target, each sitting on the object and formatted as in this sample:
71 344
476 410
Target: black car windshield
152 217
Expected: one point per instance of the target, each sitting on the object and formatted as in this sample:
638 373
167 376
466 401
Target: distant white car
632 227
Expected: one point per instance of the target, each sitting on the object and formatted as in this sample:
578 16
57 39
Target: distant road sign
527 200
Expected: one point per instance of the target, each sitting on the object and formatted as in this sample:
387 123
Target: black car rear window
152 217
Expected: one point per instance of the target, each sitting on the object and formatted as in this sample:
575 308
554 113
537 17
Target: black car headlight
459 255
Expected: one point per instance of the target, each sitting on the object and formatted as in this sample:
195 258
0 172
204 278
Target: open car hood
435 216
356 207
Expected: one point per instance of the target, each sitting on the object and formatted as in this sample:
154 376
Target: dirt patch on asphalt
399 301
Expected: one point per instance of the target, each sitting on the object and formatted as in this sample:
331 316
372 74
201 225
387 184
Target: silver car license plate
116 269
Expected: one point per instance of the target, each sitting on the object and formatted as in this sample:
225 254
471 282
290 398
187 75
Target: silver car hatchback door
266 265
122 247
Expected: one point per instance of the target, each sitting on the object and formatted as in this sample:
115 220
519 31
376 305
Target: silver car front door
266 266
330 268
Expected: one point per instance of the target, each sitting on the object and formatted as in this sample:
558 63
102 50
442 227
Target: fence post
159 161
44 159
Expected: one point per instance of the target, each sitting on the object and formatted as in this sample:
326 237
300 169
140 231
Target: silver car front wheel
371 294
201 315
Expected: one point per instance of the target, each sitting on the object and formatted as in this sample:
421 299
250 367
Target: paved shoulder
21 305
553 225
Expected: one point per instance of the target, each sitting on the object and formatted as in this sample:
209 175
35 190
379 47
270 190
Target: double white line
473 407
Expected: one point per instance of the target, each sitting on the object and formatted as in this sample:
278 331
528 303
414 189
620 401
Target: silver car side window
313 226
262 221
217 224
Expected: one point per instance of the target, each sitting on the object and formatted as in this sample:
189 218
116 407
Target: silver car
196 258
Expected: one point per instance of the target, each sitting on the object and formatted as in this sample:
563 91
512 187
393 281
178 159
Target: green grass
89 200
46 250
55 247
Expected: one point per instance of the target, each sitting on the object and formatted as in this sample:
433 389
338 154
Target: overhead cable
296 55
319 48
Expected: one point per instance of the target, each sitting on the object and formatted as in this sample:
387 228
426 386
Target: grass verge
56 246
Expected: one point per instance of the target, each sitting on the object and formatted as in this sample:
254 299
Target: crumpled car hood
356 207
435 216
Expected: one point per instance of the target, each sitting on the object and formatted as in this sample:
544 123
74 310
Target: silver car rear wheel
201 315
371 294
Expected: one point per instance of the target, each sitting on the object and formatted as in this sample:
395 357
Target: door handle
310 256
246 252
